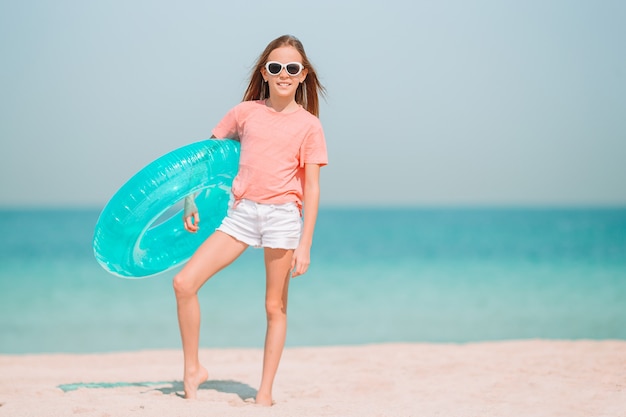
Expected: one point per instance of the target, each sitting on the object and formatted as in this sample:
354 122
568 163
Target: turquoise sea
377 275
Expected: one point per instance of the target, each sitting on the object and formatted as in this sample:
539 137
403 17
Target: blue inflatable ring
140 231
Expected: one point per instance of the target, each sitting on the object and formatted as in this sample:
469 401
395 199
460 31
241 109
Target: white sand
517 378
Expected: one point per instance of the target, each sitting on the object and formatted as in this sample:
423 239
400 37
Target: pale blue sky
429 102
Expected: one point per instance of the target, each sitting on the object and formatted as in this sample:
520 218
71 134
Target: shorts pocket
288 208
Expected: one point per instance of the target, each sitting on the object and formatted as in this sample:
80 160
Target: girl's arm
302 255
191 216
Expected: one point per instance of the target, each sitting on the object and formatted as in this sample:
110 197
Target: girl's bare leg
277 267
218 251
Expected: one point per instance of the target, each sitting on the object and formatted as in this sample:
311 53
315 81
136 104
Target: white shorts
264 225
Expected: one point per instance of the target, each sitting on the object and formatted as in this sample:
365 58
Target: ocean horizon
378 275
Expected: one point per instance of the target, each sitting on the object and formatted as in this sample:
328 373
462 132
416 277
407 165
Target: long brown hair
307 92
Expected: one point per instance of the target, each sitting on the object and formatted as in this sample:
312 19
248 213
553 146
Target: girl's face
283 85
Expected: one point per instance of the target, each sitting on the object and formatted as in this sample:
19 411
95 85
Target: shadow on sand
244 391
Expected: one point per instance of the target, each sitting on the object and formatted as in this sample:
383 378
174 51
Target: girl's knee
275 310
182 286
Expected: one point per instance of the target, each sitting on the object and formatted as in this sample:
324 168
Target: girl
282 150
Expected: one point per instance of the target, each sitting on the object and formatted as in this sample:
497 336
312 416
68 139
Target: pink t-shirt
274 148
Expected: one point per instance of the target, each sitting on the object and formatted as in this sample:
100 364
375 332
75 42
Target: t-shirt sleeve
313 149
228 126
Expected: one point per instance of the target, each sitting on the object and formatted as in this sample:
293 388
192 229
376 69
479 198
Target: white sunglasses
292 68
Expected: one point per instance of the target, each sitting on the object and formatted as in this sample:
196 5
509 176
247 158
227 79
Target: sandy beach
512 378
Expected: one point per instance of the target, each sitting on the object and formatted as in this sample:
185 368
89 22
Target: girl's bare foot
264 399
192 381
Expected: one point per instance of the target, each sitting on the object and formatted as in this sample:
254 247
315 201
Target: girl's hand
300 260
192 222
191 218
